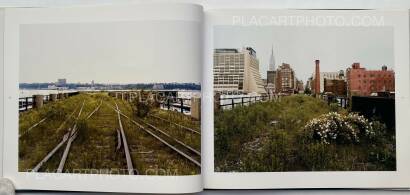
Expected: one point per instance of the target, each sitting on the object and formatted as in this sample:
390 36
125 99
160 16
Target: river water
29 92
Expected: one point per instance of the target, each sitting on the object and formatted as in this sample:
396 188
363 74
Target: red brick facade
335 86
285 79
317 78
362 82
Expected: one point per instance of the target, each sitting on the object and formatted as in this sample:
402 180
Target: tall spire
272 61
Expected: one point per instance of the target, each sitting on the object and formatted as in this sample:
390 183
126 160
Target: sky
111 52
336 47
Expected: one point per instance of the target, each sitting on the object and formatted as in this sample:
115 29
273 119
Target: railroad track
168 136
32 127
58 146
124 142
176 124
67 139
44 119
176 145
73 134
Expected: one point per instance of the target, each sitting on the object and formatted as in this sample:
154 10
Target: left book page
103 98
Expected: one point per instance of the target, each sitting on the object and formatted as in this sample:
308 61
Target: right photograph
304 98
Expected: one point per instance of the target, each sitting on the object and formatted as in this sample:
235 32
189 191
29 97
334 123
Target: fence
242 101
174 103
341 101
27 103
189 106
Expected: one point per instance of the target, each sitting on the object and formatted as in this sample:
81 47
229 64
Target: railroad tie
118 140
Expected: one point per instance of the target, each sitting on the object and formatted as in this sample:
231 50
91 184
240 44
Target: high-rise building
271 82
362 82
285 79
157 86
272 66
61 82
299 86
309 84
271 75
237 71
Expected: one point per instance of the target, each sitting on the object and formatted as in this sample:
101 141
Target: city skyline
301 46
93 82
111 52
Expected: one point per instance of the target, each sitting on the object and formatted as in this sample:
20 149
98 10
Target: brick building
335 86
285 79
362 82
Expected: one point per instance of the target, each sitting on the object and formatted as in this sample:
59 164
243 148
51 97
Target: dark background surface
277 4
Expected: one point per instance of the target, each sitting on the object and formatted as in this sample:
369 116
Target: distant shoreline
30 92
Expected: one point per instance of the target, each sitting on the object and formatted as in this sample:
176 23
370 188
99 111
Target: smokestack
317 78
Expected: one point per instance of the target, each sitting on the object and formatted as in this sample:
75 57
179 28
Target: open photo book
177 98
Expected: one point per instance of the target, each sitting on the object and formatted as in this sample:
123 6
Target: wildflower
334 126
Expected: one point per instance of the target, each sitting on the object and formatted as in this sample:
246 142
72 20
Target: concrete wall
196 108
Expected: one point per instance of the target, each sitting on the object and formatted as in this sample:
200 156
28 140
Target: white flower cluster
337 127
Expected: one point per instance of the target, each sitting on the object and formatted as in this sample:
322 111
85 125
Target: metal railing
243 101
341 101
26 103
181 104
166 102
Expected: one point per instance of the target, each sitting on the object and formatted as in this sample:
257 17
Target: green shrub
141 109
55 113
247 140
82 130
334 107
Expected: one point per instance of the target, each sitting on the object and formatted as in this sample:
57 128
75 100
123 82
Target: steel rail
73 135
183 127
95 110
32 127
124 141
170 137
58 146
50 154
160 139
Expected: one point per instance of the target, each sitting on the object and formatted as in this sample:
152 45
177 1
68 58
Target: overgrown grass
95 148
153 157
180 133
178 118
36 143
269 136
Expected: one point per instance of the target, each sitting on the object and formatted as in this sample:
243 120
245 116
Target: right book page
306 99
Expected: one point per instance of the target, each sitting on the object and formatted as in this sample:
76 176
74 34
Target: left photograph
110 98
